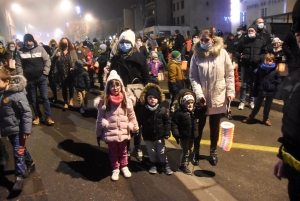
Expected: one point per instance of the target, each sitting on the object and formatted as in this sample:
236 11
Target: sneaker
166 169
19 184
196 158
184 170
267 122
30 169
36 121
115 175
139 155
153 169
241 106
213 157
126 172
251 105
49 121
82 110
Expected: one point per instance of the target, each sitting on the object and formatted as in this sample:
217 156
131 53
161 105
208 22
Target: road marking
242 146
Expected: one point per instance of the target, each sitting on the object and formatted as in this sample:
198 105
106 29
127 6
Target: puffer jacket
81 79
184 122
16 116
115 125
175 77
155 124
212 74
253 51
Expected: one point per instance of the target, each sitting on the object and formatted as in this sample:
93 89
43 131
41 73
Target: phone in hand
202 100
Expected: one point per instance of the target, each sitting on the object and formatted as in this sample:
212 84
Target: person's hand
230 99
98 141
202 102
278 168
58 54
26 136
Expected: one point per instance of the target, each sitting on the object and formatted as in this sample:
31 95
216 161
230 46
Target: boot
30 169
184 170
249 120
196 157
166 169
19 183
213 156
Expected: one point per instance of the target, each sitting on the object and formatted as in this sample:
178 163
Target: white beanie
153 55
113 75
276 40
103 47
187 97
128 35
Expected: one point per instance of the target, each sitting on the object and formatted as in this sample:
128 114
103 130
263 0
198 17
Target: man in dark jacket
33 62
262 32
178 41
252 49
288 164
290 48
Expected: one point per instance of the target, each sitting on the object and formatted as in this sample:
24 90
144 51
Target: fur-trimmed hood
148 86
17 83
213 51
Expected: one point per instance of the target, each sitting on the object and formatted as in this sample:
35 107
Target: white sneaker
115 175
82 110
251 105
126 172
241 106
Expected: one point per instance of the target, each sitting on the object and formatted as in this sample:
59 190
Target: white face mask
261 25
195 40
78 52
251 35
139 43
238 33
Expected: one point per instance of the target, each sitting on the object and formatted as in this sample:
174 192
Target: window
182 19
263 12
177 20
174 21
243 18
173 6
266 12
177 5
182 4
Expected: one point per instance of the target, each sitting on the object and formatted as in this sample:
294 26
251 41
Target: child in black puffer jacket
184 125
81 82
156 126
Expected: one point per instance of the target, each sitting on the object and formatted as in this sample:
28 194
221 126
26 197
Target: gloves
98 141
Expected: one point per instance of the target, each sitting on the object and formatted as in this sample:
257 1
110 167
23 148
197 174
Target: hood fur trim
17 83
143 94
214 50
97 102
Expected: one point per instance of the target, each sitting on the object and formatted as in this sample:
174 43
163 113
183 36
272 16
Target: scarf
277 49
116 100
152 108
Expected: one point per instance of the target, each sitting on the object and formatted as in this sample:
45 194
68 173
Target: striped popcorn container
226 135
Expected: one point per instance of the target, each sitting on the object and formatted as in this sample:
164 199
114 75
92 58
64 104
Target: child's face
3 84
189 104
152 100
276 45
268 62
155 60
114 89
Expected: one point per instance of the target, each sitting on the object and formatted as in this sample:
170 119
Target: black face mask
52 45
64 46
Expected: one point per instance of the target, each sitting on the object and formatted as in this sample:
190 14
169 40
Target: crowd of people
130 104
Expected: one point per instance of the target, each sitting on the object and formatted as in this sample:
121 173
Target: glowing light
235 11
88 17
78 10
58 32
65 5
16 7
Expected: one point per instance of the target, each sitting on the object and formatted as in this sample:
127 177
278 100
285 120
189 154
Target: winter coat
184 123
81 79
102 59
131 67
267 82
253 51
151 44
263 33
83 50
96 48
178 42
152 67
161 58
155 124
175 77
143 50
212 74
16 116
115 125
291 50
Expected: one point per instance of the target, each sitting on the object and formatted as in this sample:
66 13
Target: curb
202 188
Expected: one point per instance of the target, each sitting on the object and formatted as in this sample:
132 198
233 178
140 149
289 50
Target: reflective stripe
29 55
289 159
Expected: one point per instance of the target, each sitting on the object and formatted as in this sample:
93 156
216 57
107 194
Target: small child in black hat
156 126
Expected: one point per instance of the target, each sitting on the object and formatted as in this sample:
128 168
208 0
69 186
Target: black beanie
28 37
154 92
253 26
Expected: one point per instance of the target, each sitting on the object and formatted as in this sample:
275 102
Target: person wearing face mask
252 49
53 47
34 63
131 65
262 32
151 43
141 47
10 58
64 65
154 66
212 80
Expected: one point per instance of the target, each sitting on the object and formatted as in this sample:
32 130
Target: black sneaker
184 170
166 169
30 169
153 170
196 159
213 157
19 184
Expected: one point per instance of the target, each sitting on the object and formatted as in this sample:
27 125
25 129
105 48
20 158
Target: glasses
114 87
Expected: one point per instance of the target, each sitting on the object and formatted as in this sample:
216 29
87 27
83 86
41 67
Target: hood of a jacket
213 51
182 93
143 97
17 83
172 62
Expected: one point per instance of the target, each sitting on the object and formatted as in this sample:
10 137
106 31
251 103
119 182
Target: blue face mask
206 46
125 47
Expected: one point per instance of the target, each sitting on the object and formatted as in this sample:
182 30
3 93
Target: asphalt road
70 165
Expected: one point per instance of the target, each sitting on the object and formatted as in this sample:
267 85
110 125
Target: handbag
135 89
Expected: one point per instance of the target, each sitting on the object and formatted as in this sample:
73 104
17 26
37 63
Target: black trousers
293 177
267 108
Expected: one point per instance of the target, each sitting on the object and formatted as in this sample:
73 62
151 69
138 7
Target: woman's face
205 39
65 41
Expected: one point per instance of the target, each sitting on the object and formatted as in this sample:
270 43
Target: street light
16 7
65 5
88 17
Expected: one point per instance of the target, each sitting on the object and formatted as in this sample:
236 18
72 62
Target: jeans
67 83
247 76
20 160
156 149
118 154
32 86
214 122
267 108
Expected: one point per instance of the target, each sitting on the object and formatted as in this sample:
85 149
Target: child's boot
184 164
166 169
249 120
19 183
153 169
213 156
196 157
184 169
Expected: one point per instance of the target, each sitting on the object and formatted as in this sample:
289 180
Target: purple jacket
153 69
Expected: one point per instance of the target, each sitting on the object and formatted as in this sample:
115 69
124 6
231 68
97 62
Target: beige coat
212 74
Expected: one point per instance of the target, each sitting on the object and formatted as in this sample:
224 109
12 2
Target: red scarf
116 100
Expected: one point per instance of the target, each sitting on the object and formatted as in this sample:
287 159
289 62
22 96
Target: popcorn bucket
226 135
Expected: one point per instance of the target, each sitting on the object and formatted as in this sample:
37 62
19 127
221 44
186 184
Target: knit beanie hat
276 40
253 26
129 36
175 54
113 75
28 37
103 47
154 92
153 55
187 97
